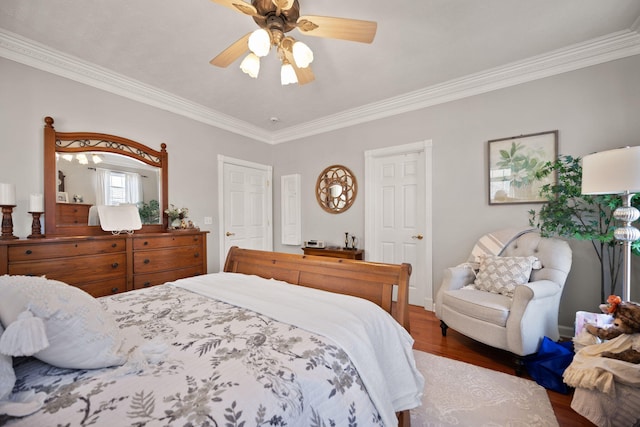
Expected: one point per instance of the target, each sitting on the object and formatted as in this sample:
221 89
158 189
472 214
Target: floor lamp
617 172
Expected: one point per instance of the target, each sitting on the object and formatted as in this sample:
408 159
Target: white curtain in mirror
115 187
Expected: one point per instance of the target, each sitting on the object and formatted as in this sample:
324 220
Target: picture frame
513 162
62 197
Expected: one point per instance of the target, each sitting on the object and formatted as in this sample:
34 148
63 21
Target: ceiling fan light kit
251 65
287 74
260 42
276 18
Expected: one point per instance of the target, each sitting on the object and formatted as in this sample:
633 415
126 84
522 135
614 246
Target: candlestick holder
7 222
35 226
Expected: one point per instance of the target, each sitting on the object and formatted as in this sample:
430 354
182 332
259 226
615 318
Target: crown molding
607 48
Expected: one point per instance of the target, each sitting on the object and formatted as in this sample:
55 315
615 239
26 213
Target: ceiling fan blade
233 52
304 75
338 28
239 6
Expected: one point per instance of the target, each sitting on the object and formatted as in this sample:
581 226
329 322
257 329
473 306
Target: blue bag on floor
548 364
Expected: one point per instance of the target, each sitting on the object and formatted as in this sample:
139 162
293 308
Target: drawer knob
147 261
114 290
146 284
145 243
113 245
115 265
28 251
196 255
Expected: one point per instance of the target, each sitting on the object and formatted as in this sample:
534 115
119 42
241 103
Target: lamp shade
612 172
119 218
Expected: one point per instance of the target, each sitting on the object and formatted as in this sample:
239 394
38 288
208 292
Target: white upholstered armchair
513 319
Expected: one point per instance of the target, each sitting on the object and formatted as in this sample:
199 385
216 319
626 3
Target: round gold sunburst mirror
336 189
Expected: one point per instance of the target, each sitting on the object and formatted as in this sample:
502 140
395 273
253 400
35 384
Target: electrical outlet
208 220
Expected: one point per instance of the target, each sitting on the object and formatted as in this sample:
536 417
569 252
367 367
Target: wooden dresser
162 257
104 265
72 213
336 252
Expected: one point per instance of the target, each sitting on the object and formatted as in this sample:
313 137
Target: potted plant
149 212
570 214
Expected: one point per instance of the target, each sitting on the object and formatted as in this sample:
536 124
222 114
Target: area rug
460 394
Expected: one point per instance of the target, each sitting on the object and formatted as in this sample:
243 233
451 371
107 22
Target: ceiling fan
276 18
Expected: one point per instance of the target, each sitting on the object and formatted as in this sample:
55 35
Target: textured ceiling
167 44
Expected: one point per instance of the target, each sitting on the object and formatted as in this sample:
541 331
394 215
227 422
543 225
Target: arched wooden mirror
77 164
336 189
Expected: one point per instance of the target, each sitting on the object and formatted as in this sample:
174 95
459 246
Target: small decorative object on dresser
177 216
7 202
62 197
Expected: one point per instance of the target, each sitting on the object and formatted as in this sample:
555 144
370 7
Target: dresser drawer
65 249
77 270
166 241
72 213
167 259
104 287
152 279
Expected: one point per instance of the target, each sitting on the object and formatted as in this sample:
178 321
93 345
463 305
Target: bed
241 347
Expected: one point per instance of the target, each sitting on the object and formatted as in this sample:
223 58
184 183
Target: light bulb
260 42
82 159
67 157
288 74
302 55
251 65
96 159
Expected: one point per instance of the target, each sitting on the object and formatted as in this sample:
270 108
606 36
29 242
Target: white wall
593 109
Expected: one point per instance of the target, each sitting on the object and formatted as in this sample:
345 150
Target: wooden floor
425 329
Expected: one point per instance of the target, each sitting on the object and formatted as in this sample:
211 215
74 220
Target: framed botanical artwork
513 163
62 197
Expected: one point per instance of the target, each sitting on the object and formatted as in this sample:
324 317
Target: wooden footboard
369 280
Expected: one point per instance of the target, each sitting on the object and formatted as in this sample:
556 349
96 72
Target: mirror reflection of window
116 188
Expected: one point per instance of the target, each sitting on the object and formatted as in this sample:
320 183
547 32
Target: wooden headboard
369 280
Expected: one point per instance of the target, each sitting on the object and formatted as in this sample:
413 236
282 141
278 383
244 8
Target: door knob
228 233
419 237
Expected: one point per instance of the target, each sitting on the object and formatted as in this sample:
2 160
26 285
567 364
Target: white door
398 213
245 206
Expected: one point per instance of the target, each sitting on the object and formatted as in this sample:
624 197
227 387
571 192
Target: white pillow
501 275
81 334
7 375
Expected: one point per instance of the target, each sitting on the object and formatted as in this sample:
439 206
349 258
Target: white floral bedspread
226 366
